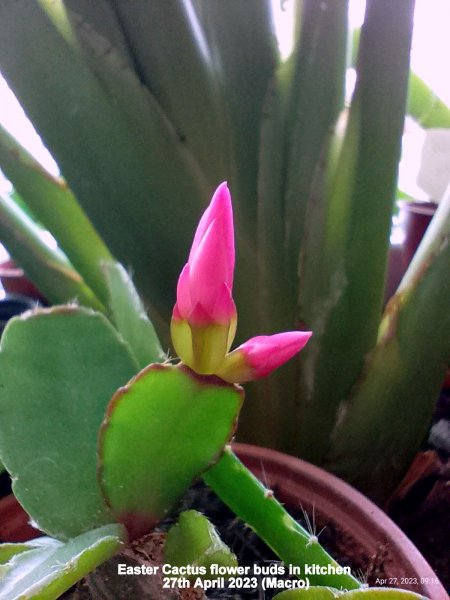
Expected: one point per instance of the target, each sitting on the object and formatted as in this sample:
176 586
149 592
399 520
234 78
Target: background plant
98 459
147 106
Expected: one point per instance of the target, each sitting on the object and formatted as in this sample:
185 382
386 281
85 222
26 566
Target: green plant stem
56 277
256 505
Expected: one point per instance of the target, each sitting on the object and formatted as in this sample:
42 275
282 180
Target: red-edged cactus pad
161 431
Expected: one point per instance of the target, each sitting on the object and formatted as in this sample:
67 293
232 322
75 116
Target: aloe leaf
172 58
243 49
47 267
242 45
388 414
102 17
47 572
129 316
71 362
193 540
274 285
425 106
113 142
316 98
267 419
54 205
344 260
162 430
301 104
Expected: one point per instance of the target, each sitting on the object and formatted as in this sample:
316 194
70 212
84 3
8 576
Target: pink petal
183 306
220 208
224 308
199 316
210 268
265 353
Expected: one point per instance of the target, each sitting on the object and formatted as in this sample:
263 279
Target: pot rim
350 510
419 207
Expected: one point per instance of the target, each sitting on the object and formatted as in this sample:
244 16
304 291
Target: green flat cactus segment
313 593
48 571
195 541
8 550
161 431
58 370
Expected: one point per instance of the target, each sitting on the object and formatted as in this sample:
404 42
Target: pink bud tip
265 353
206 282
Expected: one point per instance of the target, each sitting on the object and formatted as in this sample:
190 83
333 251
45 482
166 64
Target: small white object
434 172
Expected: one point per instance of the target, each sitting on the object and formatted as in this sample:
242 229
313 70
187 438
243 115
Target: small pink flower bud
261 355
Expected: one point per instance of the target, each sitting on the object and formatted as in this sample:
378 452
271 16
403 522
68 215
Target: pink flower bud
204 316
261 355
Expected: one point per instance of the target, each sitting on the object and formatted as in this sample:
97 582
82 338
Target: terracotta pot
14 522
299 484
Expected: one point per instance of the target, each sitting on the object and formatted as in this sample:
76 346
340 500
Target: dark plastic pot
298 484
415 217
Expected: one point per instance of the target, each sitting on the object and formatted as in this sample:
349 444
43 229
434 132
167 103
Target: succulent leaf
162 430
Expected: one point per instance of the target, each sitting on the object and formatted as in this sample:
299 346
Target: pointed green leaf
316 98
114 144
47 267
273 306
54 205
177 68
162 430
103 18
46 572
389 412
344 259
129 317
58 370
425 106
194 540
242 42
